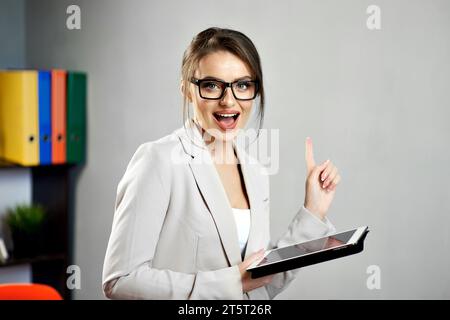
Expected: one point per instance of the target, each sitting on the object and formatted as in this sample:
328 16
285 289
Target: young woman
192 209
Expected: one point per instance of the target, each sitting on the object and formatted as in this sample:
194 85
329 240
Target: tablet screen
307 247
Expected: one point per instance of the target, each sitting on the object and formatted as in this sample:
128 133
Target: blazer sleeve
143 196
304 226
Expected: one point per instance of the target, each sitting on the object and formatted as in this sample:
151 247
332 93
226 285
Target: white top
242 218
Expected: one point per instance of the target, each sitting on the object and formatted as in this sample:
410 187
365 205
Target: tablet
311 252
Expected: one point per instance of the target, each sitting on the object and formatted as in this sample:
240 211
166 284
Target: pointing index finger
309 155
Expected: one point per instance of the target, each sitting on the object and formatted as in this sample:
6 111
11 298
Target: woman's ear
182 91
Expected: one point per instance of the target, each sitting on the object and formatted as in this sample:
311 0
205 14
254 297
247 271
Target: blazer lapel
211 188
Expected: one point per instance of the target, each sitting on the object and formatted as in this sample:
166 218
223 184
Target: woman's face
222 118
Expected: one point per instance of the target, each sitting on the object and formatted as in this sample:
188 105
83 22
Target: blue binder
45 120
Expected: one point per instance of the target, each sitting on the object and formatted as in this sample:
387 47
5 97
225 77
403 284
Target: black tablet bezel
311 258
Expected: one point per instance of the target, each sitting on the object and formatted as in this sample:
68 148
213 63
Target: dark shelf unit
52 187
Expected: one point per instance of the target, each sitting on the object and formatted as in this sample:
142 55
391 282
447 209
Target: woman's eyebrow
216 78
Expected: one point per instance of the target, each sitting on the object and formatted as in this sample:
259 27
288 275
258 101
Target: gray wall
12 33
375 102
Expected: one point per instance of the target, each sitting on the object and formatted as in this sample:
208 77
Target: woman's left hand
321 183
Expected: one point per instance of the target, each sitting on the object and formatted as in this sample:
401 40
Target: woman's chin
223 135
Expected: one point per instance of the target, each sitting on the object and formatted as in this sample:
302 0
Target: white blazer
174 235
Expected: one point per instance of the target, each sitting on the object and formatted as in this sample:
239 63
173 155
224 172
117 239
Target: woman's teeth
227 115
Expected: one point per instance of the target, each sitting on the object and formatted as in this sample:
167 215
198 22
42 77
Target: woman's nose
228 98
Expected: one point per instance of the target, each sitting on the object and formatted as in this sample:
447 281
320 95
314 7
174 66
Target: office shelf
53 187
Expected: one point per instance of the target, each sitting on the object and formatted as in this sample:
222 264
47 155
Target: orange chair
28 291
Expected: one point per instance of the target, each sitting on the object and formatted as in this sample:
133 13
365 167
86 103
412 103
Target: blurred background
376 102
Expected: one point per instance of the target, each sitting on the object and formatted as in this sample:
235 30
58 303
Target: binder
76 116
19 133
45 124
58 111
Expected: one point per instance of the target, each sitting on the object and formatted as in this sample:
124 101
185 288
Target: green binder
76 116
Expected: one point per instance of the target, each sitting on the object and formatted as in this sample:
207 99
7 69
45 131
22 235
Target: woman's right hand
248 283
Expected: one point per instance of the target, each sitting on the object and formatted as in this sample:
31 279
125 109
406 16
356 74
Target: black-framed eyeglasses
213 89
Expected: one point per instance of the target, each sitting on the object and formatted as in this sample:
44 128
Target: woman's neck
222 151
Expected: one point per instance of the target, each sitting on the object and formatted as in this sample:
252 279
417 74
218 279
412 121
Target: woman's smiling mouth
226 120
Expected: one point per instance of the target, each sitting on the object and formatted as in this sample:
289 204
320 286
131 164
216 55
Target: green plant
25 218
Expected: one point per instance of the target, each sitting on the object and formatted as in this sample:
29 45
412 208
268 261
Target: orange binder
59 116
